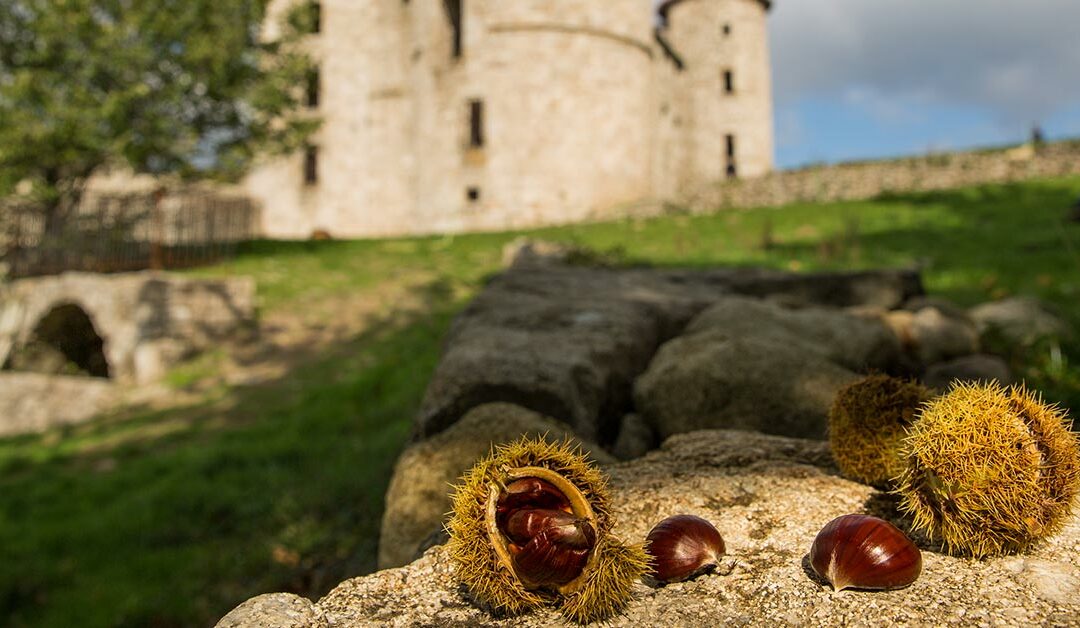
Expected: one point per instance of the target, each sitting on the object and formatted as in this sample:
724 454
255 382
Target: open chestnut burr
531 527
864 552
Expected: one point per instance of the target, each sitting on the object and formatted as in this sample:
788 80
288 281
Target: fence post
157 231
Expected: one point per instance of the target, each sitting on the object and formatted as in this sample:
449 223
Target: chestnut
682 547
864 552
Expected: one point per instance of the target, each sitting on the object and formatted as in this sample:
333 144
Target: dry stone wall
856 181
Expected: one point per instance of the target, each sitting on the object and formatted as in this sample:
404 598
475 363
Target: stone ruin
701 392
67 341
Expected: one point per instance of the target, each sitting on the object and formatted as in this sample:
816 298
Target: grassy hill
171 515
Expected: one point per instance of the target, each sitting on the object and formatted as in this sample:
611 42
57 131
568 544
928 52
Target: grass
172 517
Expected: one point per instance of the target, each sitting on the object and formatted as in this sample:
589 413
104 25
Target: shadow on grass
171 518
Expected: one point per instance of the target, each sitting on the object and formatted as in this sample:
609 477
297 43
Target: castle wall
582 112
714 36
566 92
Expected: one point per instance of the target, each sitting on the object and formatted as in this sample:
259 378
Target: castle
443 116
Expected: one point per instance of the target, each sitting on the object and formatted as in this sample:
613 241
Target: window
472 193
729 82
311 165
453 14
729 152
315 7
476 124
311 96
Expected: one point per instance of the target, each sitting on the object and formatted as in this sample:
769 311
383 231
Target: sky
857 79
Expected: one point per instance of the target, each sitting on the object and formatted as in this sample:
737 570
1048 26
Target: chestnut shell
864 552
683 546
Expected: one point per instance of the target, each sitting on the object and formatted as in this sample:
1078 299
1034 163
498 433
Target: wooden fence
116 233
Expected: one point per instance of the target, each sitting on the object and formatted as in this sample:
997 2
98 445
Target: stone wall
578 98
862 180
147 321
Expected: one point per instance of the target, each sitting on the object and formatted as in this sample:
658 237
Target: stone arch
63 341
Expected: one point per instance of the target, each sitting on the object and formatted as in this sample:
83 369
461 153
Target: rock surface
418 498
972 368
568 341
31 402
1017 321
857 343
711 380
768 496
932 334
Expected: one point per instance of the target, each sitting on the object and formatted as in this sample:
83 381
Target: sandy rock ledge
768 496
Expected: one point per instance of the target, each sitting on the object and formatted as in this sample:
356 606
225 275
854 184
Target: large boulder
857 343
931 333
1017 322
971 368
418 496
768 496
570 361
713 380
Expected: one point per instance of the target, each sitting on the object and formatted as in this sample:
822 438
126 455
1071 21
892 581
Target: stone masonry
449 116
138 324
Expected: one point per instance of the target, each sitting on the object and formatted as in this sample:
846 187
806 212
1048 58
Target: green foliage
169 86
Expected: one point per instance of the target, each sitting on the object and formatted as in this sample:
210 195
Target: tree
177 86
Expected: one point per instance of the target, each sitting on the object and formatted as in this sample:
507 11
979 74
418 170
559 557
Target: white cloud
1019 59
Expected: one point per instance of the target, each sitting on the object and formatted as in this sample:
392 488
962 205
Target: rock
524 251
851 341
1016 322
931 334
32 402
971 368
570 361
275 610
769 496
636 438
567 341
418 495
710 380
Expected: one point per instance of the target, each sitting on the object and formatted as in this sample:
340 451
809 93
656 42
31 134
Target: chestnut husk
683 547
864 552
496 571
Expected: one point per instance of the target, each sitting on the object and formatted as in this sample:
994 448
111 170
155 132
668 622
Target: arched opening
63 343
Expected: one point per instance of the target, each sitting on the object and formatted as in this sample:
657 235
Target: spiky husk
607 582
867 424
989 470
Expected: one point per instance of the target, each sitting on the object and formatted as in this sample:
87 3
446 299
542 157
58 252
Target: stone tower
456 115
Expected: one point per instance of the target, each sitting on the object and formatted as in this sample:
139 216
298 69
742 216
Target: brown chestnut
549 544
864 552
682 547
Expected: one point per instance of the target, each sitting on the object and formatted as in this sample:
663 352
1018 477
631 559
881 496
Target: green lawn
170 518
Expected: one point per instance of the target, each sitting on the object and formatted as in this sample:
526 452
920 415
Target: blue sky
855 79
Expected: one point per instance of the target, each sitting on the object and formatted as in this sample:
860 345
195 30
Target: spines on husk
989 470
867 425
602 589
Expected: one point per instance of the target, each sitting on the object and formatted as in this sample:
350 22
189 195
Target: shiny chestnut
682 547
549 544
864 552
